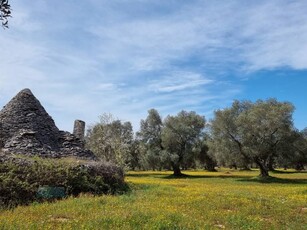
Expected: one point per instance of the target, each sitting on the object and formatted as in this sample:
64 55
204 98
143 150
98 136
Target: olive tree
111 140
179 136
204 158
293 151
251 132
150 140
225 133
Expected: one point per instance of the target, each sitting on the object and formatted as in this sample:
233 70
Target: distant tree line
247 134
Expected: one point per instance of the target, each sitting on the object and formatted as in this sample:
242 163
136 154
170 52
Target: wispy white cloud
276 36
179 81
248 36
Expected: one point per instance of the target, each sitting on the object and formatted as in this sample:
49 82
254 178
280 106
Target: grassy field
202 200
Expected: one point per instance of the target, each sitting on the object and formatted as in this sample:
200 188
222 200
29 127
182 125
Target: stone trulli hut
26 128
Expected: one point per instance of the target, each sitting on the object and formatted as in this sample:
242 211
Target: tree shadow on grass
226 175
272 180
222 176
184 176
287 172
145 174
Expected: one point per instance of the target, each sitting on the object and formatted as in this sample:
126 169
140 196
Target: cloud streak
179 81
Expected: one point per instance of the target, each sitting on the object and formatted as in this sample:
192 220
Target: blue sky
85 58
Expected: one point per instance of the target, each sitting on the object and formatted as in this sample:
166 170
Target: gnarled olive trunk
264 170
176 169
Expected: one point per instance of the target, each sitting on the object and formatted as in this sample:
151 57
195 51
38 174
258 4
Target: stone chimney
79 129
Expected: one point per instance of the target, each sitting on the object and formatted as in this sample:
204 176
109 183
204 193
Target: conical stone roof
26 127
25 116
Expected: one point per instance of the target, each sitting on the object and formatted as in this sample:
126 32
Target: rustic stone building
26 128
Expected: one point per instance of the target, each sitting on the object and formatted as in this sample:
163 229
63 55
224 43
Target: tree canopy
180 135
244 135
151 140
111 139
252 131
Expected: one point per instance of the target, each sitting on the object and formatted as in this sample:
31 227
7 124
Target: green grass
201 200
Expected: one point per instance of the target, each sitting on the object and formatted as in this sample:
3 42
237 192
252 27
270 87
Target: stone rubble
26 128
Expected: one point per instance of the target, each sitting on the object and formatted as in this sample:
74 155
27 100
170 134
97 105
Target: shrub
20 179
